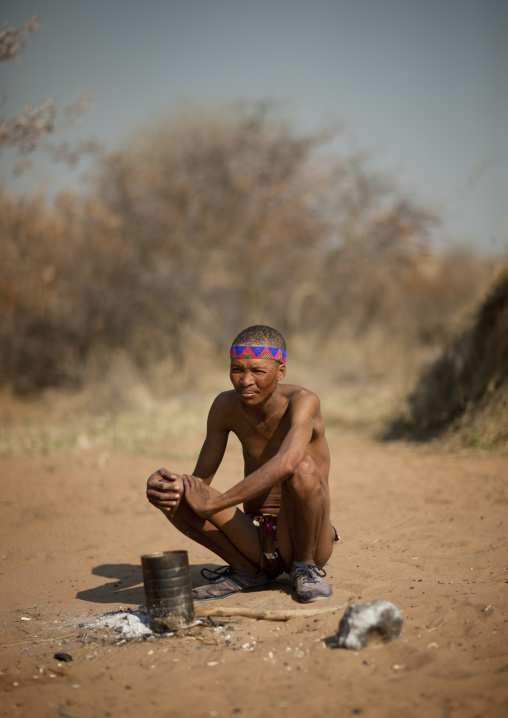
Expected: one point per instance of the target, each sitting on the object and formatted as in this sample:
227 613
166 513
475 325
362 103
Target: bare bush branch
13 39
70 153
31 126
27 129
75 108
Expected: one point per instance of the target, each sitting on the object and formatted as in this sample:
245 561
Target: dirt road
424 530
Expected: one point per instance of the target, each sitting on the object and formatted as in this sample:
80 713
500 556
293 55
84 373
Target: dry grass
360 386
461 400
58 422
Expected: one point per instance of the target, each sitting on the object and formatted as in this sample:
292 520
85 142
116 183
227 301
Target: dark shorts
271 561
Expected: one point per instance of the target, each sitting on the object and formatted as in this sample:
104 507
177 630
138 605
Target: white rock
364 622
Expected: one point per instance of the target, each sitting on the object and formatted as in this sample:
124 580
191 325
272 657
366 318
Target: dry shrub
71 294
38 345
463 396
206 222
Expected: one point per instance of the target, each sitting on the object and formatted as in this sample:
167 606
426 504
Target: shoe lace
309 572
219 574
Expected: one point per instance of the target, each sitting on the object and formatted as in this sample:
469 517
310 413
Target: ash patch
125 624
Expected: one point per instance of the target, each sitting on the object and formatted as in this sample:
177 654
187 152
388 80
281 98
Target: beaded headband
241 351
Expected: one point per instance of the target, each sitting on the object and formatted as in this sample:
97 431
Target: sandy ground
424 530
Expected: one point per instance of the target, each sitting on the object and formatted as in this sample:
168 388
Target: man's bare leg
229 533
304 531
232 536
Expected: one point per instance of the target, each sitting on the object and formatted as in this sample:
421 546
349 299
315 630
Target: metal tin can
168 590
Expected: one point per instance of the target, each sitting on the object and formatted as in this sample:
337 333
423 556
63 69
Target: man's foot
225 581
308 581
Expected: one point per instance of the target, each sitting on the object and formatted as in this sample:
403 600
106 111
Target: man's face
255 380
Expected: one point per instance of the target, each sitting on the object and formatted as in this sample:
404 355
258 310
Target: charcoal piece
369 621
66 657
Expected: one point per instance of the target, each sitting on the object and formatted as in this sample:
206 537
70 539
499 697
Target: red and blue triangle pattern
240 351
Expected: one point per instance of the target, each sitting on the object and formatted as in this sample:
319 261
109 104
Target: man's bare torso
261 439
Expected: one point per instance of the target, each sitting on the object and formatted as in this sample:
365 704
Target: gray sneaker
308 581
225 581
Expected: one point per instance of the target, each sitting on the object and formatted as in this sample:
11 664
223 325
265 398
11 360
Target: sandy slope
426 531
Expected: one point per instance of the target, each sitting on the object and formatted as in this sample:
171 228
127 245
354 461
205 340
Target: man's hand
197 496
164 489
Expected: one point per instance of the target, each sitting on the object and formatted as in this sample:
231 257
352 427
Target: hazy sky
422 83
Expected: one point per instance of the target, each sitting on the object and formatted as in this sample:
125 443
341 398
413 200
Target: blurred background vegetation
124 301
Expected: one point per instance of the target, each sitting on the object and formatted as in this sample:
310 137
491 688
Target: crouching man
285 523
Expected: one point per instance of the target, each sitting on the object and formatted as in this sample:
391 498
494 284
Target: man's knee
182 515
306 479
307 467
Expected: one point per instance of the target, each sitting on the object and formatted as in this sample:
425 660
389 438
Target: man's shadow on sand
126 584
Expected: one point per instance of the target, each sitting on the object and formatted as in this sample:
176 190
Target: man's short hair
262 336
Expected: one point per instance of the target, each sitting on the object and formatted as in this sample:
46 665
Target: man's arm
214 446
165 488
304 413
